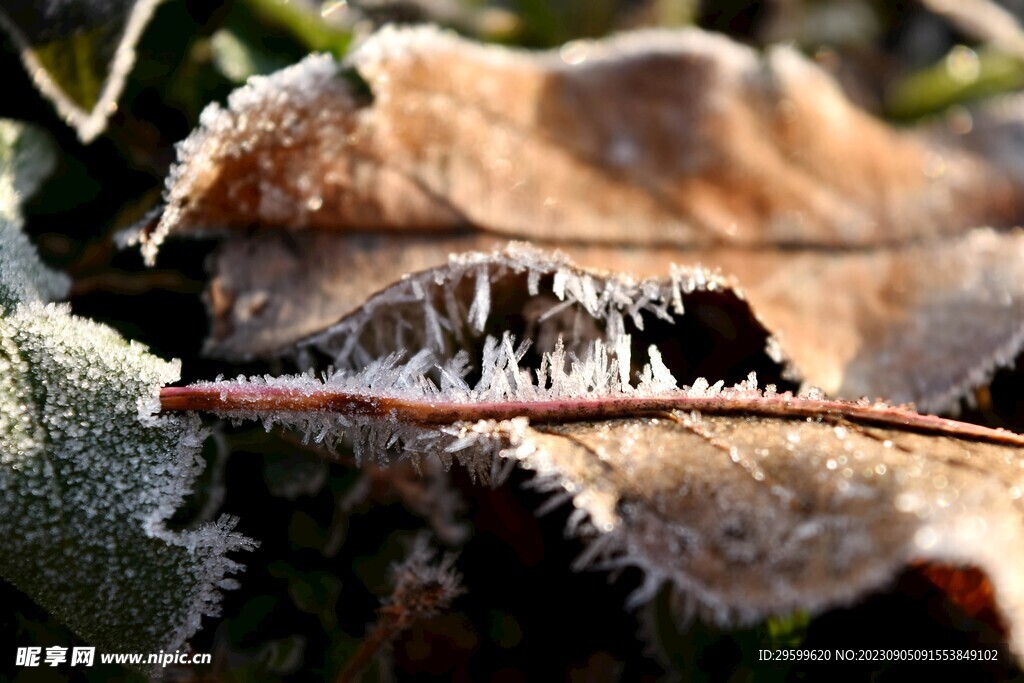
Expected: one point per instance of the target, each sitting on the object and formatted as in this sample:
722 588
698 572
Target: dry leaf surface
852 240
852 259
751 503
679 138
924 323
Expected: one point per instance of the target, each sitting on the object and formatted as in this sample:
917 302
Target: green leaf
89 477
26 157
78 52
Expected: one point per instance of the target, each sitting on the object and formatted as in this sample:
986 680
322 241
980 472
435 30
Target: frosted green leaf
78 52
26 157
88 475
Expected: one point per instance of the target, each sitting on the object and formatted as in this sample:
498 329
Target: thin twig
384 632
423 588
430 412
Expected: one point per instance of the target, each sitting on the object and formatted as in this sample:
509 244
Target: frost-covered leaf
756 515
89 475
449 314
923 323
78 52
698 320
648 138
855 243
748 502
88 472
26 157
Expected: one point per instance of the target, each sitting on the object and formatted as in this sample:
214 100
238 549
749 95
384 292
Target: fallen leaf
703 327
853 241
924 323
78 52
687 139
748 502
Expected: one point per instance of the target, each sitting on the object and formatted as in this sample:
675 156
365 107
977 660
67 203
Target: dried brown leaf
679 138
923 323
759 515
748 503
851 239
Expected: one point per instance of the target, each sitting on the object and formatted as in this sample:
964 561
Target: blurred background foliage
330 532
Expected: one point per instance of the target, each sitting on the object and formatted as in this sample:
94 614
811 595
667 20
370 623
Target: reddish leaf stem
425 412
386 630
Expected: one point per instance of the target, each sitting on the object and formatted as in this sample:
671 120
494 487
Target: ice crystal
423 584
601 371
441 308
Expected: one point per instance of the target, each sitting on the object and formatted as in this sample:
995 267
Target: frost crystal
423 584
88 472
600 372
442 308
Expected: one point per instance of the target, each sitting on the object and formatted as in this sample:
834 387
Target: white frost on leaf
244 127
86 470
26 157
745 514
89 474
439 309
602 371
